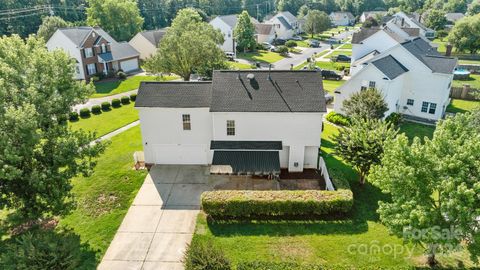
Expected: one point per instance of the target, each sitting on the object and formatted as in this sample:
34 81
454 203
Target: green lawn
474 81
344 52
469 62
261 56
412 130
325 65
461 106
103 89
346 46
104 198
237 65
107 122
330 86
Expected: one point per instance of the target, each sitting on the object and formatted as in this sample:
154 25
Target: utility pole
257 10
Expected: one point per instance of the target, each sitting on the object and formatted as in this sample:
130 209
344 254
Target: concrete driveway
161 220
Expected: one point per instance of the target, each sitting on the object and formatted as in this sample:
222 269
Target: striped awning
249 162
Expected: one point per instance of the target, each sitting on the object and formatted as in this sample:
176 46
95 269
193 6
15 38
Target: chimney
448 51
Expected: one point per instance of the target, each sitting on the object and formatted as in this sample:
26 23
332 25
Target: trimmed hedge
106 106
116 103
133 97
201 255
96 109
125 100
84 113
338 119
261 265
73 116
284 203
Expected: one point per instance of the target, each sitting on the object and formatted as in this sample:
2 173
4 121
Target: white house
264 32
285 24
342 18
146 42
403 21
94 50
372 14
253 122
226 24
413 77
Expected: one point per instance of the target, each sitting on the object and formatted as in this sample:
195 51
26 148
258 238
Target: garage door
129 65
181 154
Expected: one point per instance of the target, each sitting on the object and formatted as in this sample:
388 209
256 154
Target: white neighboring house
403 21
342 18
226 24
146 42
264 32
286 25
254 122
372 14
414 78
94 50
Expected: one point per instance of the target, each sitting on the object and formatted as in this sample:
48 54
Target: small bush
62 119
73 116
121 75
338 119
204 255
284 203
85 113
125 100
116 103
96 109
106 106
394 119
282 50
441 34
95 78
133 97
291 44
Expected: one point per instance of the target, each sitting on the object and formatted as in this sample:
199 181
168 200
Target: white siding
60 41
227 31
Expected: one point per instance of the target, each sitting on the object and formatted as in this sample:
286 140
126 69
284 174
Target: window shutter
83 52
96 70
86 68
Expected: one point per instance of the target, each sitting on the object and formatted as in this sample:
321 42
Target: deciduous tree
244 32
49 25
434 187
120 18
474 8
435 19
316 22
465 34
39 154
361 144
366 104
189 45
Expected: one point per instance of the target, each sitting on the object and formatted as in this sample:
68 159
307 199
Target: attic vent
250 76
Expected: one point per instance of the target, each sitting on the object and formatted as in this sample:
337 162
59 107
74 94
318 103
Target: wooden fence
465 92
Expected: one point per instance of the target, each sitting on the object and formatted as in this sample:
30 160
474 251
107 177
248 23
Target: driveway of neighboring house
161 220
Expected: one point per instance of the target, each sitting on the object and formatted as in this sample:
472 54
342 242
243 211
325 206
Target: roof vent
250 76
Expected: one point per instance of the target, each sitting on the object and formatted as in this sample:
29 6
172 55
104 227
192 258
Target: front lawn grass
330 86
103 89
261 56
412 130
107 122
461 106
237 65
104 198
325 65
473 81
339 52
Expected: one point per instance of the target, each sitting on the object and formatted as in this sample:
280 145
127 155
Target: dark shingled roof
363 34
286 91
154 36
246 145
430 57
284 22
390 67
255 162
174 94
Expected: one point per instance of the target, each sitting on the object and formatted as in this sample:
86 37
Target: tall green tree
39 154
366 104
120 18
474 8
303 11
459 6
49 25
189 45
434 187
465 34
435 19
316 22
244 32
361 144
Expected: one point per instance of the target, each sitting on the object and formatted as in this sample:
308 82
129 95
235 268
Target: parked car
331 75
230 56
297 38
279 41
267 46
306 68
342 58
313 43
333 41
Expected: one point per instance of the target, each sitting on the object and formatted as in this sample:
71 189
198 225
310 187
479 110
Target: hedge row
259 265
288 203
105 106
338 119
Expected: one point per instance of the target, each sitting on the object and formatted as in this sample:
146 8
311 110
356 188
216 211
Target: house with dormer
95 51
285 25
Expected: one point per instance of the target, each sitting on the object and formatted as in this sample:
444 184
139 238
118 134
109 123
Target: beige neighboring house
264 32
146 42
342 18
372 14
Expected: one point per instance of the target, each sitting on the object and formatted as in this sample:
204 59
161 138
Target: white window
77 69
424 106
230 127
371 84
91 69
431 108
186 122
363 88
88 52
410 102
104 48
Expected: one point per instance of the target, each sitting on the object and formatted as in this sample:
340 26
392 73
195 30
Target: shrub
338 119
95 78
84 113
394 119
441 34
62 119
133 97
125 100
284 203
42 250
282 50
204 255
116 103
106 106
73 116
291 44
121 75
96 109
